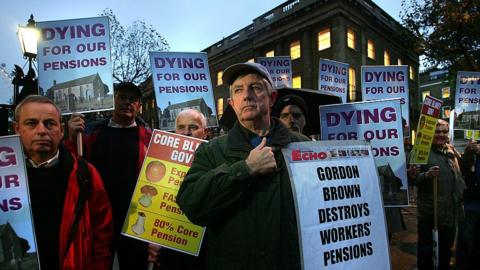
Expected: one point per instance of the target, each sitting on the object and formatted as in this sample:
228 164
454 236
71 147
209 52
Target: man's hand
261 159
76 124
154 254
433 172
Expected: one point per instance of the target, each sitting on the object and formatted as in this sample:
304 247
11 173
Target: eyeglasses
131 99
441 131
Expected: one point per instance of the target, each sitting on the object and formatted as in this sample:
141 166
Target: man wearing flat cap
238 185
292 111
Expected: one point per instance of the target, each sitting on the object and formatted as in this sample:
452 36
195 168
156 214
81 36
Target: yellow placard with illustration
154 215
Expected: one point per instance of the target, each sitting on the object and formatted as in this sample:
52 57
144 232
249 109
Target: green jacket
251 222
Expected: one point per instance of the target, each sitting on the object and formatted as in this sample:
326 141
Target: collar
112 124
46 164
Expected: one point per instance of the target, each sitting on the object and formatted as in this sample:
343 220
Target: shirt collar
46 164
112 124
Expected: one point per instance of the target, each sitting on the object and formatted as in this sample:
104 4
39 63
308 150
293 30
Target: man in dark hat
292 111
238 184
117 147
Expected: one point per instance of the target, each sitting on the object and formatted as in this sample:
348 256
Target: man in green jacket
238 185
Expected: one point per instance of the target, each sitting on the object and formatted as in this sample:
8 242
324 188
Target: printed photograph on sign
280 68
467 101
182 81
380 123
336 192
18 248
333 78
74 64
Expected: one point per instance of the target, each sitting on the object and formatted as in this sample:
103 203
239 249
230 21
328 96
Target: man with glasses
117 147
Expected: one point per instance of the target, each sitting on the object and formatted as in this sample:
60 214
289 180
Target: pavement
403 245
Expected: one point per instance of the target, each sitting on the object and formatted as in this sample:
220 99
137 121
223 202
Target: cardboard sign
280 68
182 81
385 82
467 101
425 130
339 207
333 78
74 64
154 215
378 122
16 223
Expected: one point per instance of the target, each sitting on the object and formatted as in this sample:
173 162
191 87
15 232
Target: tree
447 32
130 48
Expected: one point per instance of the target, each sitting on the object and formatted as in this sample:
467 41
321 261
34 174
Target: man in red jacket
71 212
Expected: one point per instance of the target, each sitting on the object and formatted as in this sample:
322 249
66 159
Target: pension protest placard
280 68
383 82
74 64
425 130
338 203
467 101
333 78
182 81
19 248
154 215
380 123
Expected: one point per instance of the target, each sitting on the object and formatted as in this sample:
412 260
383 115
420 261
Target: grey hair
197 112
35 99
264 81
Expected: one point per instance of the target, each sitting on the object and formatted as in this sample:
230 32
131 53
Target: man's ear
62 128
230 101
16 127
273 97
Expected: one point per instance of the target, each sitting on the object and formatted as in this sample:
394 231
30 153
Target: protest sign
378 122
18 246
384 82
74 65
154 215
182 81
333 78
280 68
467 101
425 130
338 203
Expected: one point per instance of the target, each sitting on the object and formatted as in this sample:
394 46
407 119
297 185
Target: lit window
424 94
297 82
251 60
295 50
324 39
270 53
220 107
386 58
352 87
410 71
350 38
219 77
400 62
371 49
445 92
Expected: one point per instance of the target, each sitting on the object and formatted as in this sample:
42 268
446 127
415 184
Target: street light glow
28 37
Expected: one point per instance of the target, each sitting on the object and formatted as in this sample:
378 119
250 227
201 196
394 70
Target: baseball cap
128 86
232 72
289 100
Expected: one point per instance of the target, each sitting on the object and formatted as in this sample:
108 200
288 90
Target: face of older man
189 123
127 106
292 117
40 130
251 98
441 134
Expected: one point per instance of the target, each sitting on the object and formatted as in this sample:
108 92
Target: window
410 71
424 94
251 60
219 77
352 86
386 58
295 50
270 53
324 39
350 38
371 49
297 82
445 92
220 106
399 62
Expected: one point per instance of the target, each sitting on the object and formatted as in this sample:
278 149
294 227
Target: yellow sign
154 215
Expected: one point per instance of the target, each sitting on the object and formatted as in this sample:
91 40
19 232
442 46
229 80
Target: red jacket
90 247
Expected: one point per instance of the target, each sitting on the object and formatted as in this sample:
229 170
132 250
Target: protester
444 167
71 212
117 147
190 123
238 185
468 244
292 111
